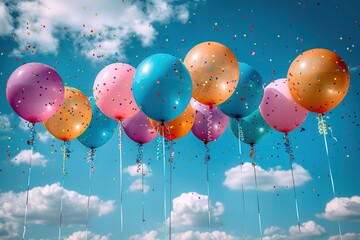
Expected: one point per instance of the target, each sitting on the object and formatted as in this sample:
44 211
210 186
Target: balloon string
289 150
207 159
252 150
164 173
66 156
31 142
170 189
140 163
121 174
257 200
209 125
91 171
323 131
241 138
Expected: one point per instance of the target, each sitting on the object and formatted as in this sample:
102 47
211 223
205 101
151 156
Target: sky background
79 38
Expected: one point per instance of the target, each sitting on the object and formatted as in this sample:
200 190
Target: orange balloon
214 71
179 126
72 118
318 80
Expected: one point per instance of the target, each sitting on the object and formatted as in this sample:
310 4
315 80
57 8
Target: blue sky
79 38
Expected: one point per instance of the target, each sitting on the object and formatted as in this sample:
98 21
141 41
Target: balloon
208 128
35 91
318 80
279 109
139 129
162 87
247 95
100 130
72 118
254 128
179 126
214 71
112 91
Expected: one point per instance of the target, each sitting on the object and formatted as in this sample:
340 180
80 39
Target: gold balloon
318 80
179 126
72 118
214 71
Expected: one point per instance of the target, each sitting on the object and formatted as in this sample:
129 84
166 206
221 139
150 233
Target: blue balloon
254 128
162 87
247 95
100 130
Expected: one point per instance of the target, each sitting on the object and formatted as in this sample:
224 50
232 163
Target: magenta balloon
138 128
279 109
204 129
35 91
113 91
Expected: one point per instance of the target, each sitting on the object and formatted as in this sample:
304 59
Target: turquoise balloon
100 130
247 95
162 87
254 128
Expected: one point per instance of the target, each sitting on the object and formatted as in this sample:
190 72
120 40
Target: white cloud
271 230
81 235
136 186
215 235
152 235
97 28
9 230
24 156
44 205
135 170
342 209
347 236
308 229
44 136
191 210
5 124
6 27
276 237
188 235
267 179
23 124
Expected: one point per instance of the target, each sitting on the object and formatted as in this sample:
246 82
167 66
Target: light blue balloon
162 87
100 130
247 95
254 128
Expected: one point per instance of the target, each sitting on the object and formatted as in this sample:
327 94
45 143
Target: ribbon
257 200
171 159
323 130
66 156
91 161
289 151
140 162
31 142
121 174
241 138
207 159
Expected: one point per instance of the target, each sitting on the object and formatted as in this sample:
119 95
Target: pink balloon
113 91
35 91
279 109
204 129
138 128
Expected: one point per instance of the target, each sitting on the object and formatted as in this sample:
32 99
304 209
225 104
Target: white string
324 131
121 175
258 202
32 138
164 172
